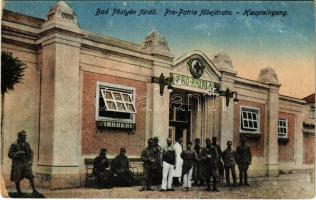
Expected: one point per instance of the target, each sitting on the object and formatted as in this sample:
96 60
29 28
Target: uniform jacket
100 164
158 153
149 157
20 161
243 155
188 157
197 150
209 156
120 164
229 157
219 152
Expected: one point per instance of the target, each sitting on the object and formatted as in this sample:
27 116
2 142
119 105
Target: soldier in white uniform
179 162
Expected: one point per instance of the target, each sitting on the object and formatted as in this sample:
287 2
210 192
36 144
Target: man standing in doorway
179 162
243 157
22 159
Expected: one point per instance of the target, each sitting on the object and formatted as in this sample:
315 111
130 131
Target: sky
286 43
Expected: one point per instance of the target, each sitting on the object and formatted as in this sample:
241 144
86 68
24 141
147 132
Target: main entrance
186 118
193 115
180 122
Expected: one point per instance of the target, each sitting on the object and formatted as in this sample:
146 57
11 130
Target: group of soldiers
197 164
119 168
169 166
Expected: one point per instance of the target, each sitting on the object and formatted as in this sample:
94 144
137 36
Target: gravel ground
291 186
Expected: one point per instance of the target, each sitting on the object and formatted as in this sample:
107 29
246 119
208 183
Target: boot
214 185
246 180
208 188
240 179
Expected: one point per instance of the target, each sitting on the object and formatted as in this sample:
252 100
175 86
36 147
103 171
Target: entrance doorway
180 122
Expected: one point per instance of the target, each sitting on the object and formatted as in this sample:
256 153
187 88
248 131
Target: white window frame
286 128
123 88
251 109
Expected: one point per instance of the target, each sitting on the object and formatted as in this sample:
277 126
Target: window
282 128
115 103
249 120
312 112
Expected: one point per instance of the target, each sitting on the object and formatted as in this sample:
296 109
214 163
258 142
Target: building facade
82 92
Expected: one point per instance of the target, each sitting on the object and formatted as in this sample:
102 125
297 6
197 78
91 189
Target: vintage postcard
158 99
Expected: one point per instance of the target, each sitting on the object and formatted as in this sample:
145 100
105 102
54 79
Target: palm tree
12 71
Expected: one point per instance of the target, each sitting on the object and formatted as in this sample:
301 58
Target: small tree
12 71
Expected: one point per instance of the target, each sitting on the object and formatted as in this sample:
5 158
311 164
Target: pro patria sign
182 80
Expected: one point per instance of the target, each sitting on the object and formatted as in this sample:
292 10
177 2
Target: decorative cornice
292 99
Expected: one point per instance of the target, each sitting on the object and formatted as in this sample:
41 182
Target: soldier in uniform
209 158
102 175
220 167
149 158
22 159
120 168
188 157
243 158
229 158
198 180
169 159
158 151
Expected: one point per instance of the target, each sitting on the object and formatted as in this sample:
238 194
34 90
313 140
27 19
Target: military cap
122 149
103 150
21 133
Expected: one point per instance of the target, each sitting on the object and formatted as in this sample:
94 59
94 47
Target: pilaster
60 99
224 64
271 144
268 76
156 45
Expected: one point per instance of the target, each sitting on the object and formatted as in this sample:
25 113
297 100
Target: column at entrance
160 114
197 117
211 118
